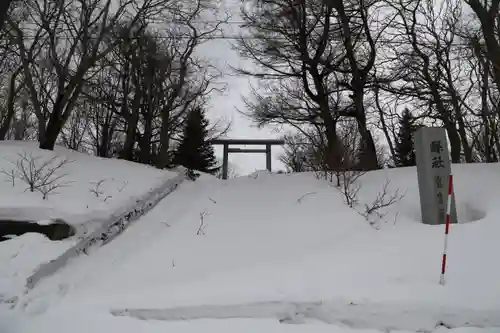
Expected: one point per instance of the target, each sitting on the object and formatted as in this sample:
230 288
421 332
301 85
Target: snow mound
475 187
96 189
95 185
259 174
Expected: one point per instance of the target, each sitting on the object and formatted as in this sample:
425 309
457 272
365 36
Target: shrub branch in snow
46 189
299 200
383 199
39 175
201 228
348 184
97 190
121 188
11 176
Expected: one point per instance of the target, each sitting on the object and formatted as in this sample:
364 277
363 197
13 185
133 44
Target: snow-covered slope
285 247
120 183
94 189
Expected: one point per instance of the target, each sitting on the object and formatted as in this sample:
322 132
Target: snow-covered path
88 269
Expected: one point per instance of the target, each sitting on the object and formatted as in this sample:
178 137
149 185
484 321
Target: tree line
349 80
110 78
353 79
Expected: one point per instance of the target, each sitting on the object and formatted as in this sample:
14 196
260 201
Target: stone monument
433 171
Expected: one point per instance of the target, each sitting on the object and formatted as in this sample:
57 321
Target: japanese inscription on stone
436 149
433 168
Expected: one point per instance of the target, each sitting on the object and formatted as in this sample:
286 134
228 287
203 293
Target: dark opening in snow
57 230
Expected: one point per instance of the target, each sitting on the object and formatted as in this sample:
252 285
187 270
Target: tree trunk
368 159
53 129
384 125
5 126
496 141
103 149
463 138
128 148
132 121
54 125
334 153
61 111
163 151
455 142
459 119
359 79
145 147
145 143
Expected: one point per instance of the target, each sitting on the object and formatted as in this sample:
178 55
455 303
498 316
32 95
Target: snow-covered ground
94 188
268 253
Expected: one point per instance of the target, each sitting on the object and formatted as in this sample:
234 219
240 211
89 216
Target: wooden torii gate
251 142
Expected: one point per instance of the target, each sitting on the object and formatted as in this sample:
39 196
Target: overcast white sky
223 56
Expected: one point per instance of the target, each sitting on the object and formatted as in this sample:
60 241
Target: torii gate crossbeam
250 142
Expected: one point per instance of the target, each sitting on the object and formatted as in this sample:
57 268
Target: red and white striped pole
447 227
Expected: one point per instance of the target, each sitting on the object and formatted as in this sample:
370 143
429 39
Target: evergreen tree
404 148
194 151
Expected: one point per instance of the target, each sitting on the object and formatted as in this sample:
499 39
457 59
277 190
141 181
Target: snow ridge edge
110 228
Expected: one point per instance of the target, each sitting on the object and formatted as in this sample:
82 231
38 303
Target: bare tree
190 80
356 20
316 58
73 35
102 105
296 48
484 108
487 12
427 67
148 83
